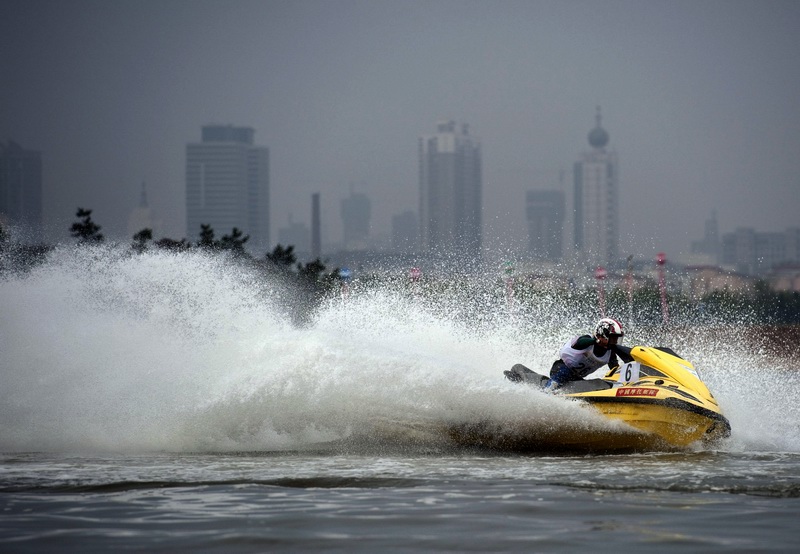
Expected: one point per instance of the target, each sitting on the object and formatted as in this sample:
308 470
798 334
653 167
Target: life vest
585 361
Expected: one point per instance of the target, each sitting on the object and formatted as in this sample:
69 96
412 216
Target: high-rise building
21 189
227 184
710 245
356 211
450 186
596 200
752 252
545 215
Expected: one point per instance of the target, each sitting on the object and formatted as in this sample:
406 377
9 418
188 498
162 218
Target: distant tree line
308 284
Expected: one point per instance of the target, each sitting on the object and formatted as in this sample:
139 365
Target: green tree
312 271
234 242
282 257
172 244
86 230
207 237
140 240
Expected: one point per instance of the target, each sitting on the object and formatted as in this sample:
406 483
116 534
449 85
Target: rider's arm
583 342
623 352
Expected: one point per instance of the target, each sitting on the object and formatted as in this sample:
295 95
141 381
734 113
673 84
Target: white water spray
101 350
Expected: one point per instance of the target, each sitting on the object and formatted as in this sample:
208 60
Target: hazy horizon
700 100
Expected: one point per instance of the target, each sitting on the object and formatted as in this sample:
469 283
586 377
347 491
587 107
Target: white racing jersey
583 361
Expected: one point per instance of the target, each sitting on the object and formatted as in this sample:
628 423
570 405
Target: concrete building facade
450 192
21 190
227 184
596 200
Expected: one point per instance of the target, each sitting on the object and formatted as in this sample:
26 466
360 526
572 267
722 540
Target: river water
165 403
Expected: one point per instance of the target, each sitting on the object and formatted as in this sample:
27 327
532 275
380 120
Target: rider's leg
559 374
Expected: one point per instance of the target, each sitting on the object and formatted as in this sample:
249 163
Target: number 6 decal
629 373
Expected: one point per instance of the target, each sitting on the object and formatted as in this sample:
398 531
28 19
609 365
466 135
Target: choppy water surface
701 502
166 403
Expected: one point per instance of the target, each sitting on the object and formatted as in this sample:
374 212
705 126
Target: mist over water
101 350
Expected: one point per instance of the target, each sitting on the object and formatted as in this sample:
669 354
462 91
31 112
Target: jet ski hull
664 398
676 422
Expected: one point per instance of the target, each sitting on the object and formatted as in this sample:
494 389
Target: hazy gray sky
701 100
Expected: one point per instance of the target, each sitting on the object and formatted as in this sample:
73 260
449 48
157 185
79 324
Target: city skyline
701 99
745 249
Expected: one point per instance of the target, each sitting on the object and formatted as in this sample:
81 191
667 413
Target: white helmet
608 328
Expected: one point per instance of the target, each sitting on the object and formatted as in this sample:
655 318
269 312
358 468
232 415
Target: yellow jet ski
658 393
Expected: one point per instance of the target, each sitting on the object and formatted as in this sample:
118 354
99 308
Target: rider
585 354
